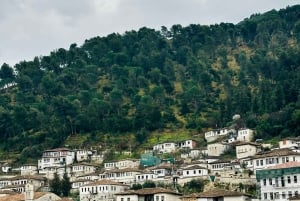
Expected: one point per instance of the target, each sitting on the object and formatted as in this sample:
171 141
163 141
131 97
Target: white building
245 134
83 155
213 135
246 149
293 143
126 176
82 169
279 182
274 157
103 190
145 176
166 147
59 157
217 149
149 194
122 164
194 171
28 169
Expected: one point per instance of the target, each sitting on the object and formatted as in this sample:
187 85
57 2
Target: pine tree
66 185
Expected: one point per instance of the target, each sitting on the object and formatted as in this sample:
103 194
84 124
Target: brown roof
218 193
241 143
194 167
35 177
286 165
105 182
296 197
21 197
57 149
276 152
148 191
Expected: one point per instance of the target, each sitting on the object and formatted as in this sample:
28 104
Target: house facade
59 157
217 149
166 147
103 190
245 135
279 182
122 164
213 135
149 194
246 149
293 143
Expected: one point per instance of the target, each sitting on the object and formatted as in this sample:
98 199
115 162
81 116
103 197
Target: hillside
128 89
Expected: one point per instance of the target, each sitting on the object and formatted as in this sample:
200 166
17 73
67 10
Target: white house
194 171
59 157
162 170
166 147
29 169
82 169
292 142
83 155
217 149
215 134
276 156
126 176
279 182
145 176
104 190
245 134
149 194
246 149
122 164
219 165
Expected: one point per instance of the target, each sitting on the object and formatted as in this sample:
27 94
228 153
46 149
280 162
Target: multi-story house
279 182
217 149
83 155
122 164
18 183
59 157
246 149
245 134
126 176
194 171
291 142
162 170
267 159
82 169
166 147
104 190
145 176
213 135
28 169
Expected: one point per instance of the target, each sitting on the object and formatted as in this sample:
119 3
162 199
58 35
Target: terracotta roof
286 165
148 191
105 182
218 193
276 152
35 177
7 192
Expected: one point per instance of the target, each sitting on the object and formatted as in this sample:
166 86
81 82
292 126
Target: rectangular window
290 194
128 199
157 198
261 162
288 179
264 182
276 195
271 196
257 163
270 181
295 179
265 196
283 195
122 199
282 182
287 159
162 198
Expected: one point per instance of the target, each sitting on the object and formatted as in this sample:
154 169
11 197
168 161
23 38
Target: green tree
66 185
55 185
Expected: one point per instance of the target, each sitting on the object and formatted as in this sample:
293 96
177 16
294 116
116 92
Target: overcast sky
32 28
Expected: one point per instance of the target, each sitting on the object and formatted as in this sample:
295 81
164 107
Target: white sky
32 28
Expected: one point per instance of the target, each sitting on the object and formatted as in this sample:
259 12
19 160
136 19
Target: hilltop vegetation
190 78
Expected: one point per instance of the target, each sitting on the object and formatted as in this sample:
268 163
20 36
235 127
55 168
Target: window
257 163
287 159
296 193
288 179
282 182
270 181
271 196
283 195
122 199
261 162
157 198
290 194
276 195
128 199
264 182
162 198
295 179
265 196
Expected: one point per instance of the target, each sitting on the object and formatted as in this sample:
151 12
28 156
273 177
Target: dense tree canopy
193 77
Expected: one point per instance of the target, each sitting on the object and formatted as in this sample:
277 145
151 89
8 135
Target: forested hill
195 77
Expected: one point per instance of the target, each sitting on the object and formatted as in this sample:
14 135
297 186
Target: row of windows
276 195
194 172
267 161
100 188
144 177
280 181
